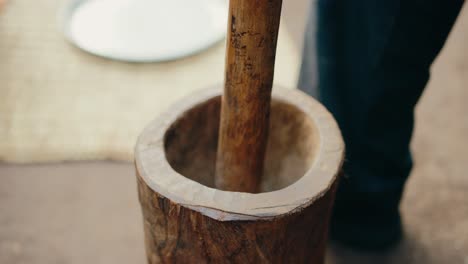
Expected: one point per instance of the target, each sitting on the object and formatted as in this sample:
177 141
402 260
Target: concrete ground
88 212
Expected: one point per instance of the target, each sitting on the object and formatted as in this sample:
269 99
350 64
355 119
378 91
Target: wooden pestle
245 108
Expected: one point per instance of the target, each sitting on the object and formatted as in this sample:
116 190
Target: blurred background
69 120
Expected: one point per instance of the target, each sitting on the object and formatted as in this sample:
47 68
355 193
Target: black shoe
367 233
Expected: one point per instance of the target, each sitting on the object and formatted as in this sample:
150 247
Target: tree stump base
187 220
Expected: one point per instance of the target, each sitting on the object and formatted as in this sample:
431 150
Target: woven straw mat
59 103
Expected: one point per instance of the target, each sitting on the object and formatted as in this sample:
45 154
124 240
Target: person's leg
308 74
373 61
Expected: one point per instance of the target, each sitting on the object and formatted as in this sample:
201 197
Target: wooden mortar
187 220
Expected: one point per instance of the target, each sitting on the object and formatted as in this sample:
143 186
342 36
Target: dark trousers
374 61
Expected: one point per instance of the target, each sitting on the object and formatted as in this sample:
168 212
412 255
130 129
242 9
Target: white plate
145 30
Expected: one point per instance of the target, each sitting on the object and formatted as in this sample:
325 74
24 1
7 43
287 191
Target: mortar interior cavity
191 142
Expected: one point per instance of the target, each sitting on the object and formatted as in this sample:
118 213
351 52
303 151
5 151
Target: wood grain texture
176 234
250 58
187 220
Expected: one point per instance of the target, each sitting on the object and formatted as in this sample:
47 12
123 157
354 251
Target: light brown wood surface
250 58
187 219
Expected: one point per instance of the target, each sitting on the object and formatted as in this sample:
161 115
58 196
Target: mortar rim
221 205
